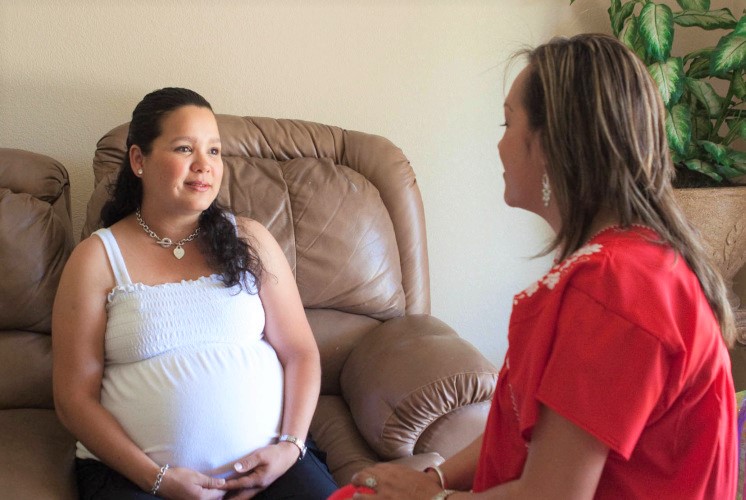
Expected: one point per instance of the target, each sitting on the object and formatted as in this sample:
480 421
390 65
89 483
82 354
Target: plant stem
726 105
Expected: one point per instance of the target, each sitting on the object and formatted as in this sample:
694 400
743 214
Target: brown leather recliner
36 452
397 384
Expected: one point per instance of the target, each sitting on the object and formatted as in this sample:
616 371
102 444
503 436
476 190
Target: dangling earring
139 172
546 190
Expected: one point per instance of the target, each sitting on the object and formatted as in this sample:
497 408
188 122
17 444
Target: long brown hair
602 122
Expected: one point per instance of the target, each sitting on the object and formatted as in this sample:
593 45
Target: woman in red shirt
616 383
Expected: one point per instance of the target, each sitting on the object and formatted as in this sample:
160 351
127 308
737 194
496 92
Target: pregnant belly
201 409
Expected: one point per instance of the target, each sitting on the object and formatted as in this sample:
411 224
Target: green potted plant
704 92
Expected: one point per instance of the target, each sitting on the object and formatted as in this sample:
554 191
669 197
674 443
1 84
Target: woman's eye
214 151
183 149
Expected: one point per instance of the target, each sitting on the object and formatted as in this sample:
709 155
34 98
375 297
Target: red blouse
620 340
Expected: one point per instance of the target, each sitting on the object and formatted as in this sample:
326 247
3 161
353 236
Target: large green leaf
679 128
738 160
699 62
630 36
730 170
730 54
739 87
705 53
619 15
656 28
669 76
614 7
705 94
699 68
701 127
703 167
717 152
740 29
694 4
716 19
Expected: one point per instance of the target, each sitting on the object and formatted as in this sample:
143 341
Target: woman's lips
199 186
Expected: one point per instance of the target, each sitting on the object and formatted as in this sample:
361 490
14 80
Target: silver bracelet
158 479
443 494
297 442
441 476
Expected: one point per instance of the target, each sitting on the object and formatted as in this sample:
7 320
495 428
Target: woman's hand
182 483
396 482
257 470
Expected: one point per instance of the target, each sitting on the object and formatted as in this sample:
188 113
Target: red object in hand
346 492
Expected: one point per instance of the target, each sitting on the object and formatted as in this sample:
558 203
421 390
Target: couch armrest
406 374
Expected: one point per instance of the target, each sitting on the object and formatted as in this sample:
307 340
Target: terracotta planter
720 216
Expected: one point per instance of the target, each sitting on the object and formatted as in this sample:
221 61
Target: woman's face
521 153
184 169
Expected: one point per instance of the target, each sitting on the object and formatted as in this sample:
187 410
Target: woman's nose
201 163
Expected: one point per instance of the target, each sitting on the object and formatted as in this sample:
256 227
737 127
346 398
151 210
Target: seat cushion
25 370
36 456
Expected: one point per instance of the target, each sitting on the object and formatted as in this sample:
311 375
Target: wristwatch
297 442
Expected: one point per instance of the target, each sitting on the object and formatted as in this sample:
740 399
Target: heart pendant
178 252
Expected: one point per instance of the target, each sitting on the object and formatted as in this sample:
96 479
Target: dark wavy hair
602 118
230 254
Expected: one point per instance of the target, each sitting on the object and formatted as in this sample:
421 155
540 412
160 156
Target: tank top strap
231 217
115 256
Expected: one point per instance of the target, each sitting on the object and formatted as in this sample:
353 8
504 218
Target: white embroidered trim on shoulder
554 275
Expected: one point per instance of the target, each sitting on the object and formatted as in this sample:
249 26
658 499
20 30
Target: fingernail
221 482
238 466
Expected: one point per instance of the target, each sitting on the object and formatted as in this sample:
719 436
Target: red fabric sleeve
604 374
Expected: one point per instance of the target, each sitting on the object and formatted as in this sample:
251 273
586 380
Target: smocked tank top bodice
188 373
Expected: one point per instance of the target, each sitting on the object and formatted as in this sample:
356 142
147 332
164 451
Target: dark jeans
308 479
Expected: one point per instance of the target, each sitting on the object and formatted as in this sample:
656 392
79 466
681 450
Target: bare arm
563 461
458 471
289 333
78 328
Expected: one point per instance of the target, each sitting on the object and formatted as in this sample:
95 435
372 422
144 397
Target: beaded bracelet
158 479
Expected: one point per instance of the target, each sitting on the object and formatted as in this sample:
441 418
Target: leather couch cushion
406 373
37 456
337 334
332 225
25 370
35 238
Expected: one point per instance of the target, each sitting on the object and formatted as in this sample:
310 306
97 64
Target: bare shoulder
264 244
255 232
88 262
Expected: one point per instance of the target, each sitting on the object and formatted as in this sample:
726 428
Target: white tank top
187 372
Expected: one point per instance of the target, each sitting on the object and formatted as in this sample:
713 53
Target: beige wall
426 74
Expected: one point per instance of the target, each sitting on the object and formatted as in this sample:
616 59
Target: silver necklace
166 242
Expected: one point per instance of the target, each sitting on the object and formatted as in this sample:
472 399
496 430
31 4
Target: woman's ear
536 148
136 159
